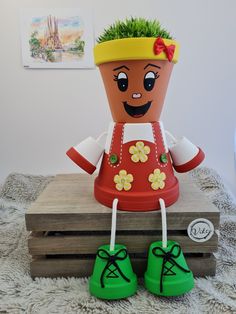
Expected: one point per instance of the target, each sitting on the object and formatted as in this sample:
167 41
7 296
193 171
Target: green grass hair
134 27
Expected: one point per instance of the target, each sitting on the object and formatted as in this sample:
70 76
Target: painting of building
57 39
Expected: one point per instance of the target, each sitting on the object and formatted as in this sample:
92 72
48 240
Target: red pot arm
80 161
86 154
190 165
185 155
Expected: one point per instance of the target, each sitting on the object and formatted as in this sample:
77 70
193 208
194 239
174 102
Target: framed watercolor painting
57 38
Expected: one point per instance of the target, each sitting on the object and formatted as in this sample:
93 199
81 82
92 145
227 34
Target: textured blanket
20 294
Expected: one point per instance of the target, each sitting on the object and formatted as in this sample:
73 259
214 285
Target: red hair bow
160 46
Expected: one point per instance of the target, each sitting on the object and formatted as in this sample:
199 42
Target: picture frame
57 38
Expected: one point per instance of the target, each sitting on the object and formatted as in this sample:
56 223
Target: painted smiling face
136 89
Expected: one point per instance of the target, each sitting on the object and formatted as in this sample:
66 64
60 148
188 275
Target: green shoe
167 272
113 277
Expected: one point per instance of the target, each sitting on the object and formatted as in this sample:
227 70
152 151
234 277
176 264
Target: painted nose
136 95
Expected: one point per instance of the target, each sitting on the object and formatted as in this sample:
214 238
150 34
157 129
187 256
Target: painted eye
122 81
149 80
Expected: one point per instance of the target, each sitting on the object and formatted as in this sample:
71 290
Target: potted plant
135 58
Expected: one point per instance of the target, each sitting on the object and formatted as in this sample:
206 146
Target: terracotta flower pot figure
135 59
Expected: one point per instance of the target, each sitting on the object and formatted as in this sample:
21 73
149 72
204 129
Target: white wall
43 112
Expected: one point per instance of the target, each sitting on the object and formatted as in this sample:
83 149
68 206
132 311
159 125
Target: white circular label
200 230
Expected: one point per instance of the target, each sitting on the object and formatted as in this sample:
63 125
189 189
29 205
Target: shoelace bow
168 257
111 260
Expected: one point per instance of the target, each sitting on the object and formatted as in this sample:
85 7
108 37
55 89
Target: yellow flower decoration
123 180
157 179
139 152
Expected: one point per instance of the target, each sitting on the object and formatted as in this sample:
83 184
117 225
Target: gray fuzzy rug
20 294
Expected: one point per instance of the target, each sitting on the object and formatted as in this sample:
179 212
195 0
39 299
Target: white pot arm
88 152
184 154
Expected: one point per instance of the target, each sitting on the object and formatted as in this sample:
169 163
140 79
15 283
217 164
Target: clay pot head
135 83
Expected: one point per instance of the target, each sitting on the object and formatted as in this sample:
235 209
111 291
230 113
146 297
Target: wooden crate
67 225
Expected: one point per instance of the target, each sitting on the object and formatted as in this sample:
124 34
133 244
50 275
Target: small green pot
113 277
167 271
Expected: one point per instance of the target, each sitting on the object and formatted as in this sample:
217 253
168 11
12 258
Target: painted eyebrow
123 66
153 65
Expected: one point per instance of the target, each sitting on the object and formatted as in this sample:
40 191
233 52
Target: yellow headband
139 48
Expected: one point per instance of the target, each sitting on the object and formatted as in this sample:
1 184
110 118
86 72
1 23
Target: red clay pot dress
137 169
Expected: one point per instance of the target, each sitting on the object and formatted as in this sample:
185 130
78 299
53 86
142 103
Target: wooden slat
73 267
67 203
88 244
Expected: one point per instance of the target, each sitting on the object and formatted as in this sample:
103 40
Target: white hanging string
163 220
113 224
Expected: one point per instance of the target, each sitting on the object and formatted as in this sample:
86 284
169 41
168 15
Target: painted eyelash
156 76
